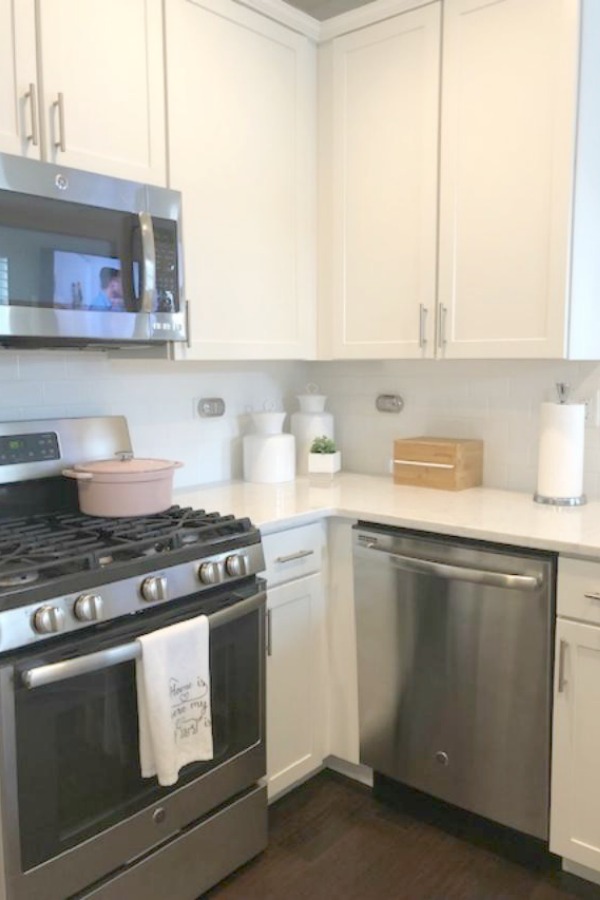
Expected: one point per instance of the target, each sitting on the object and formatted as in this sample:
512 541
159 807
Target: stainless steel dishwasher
454 670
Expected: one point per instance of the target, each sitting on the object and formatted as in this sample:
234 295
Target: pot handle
178 465
78 476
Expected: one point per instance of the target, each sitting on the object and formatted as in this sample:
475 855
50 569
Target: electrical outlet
209 407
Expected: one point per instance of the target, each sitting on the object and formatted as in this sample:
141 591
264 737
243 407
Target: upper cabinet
517 270
378 181
95 99
242 149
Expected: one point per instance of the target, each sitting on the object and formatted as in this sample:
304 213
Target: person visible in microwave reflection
110 295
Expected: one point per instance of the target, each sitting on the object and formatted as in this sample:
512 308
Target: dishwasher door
454 670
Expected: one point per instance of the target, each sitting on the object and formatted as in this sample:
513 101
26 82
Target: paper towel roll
269 458
560 462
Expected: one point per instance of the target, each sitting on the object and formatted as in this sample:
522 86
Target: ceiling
325 9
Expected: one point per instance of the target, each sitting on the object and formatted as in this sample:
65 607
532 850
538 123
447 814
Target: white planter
324 463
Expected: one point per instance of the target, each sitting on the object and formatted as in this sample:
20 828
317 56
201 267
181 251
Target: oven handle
113 656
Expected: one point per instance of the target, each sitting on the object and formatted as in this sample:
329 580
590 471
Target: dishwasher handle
451 572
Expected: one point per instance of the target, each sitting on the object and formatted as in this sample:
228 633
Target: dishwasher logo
367 540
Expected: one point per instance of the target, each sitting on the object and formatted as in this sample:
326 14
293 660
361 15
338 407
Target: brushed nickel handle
188 331
292 556
31 95
269 633
562 681
59 103
422 326
593 595
425 465
442 316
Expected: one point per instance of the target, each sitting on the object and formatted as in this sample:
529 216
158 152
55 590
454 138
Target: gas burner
18 580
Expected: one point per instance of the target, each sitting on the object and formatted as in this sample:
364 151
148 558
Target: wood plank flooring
330 838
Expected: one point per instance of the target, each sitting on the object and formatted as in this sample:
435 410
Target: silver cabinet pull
114 656
422 325
442 315
593 595
149 262
59 103
424 465
188 331
269 633
31 95
562 681
292 556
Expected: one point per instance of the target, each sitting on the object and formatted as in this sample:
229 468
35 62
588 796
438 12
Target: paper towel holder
562 390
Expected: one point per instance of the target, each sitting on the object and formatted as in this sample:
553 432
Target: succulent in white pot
324 457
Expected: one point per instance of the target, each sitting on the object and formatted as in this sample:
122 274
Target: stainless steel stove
77 819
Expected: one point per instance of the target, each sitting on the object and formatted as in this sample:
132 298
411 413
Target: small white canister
269 456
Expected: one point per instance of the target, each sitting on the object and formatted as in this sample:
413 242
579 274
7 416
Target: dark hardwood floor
332 839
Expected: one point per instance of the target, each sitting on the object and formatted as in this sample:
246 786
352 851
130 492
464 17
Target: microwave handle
148 262
114 656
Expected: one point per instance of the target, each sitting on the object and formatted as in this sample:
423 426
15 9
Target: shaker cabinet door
380 95
103 86
509 92
19 116
242 108
575 806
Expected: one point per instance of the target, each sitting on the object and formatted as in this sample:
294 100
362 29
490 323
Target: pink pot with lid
125 486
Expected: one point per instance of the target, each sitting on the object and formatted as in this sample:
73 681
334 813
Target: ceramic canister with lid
269 455
310 422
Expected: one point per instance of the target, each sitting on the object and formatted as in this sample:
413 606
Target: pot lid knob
124 455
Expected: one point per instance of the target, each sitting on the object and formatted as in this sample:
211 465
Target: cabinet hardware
422 323
593 595
292 556
31 95
562 681
269 634
188 333
442 315
59 103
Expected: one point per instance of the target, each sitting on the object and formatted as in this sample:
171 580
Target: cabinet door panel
295 685
575 818
17 73
385 138
106 58
509 88
241 147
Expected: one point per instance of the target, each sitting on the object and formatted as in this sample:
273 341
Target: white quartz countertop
502 516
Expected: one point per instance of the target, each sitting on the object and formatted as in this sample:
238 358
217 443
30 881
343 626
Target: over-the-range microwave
86 259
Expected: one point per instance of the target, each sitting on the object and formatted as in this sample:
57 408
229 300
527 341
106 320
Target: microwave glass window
66 256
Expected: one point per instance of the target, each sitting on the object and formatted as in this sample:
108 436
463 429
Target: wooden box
451 464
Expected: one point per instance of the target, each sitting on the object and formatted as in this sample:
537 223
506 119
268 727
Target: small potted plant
324 458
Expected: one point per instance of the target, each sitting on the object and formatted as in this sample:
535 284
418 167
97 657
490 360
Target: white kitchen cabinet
519 147
379 155
297 685
19 123
99 84
242 149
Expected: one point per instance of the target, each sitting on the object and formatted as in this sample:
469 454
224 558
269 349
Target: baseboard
580 871
356 771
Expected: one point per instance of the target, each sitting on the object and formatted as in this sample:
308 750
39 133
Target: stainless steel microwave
86 259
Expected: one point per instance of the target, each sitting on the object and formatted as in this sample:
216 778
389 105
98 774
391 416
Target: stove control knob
237 565
88 608
48 620
155 588
210 573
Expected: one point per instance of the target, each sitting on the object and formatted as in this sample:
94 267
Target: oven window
78 767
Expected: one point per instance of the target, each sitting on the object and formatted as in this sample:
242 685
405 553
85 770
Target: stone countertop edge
485 514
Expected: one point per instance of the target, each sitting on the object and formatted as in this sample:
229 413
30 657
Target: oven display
26 448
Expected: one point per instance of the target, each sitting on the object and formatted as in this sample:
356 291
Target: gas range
65 571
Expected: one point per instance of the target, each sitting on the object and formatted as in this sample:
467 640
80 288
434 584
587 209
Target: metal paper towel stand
562 390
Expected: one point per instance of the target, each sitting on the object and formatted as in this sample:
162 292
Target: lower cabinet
296 676
575 806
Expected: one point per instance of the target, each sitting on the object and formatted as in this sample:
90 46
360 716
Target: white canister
306 427
269 458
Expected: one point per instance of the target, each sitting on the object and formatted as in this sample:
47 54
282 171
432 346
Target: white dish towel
173 693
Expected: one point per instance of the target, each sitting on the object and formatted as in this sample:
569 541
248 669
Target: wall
156 397
496 400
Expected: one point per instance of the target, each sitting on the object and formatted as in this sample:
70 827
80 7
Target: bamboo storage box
451 464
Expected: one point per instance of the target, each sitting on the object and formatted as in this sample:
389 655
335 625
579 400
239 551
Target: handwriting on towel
189 707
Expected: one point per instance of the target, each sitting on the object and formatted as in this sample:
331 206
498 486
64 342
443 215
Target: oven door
74 806
85 258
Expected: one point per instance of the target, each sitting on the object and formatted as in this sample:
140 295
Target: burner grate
44 547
